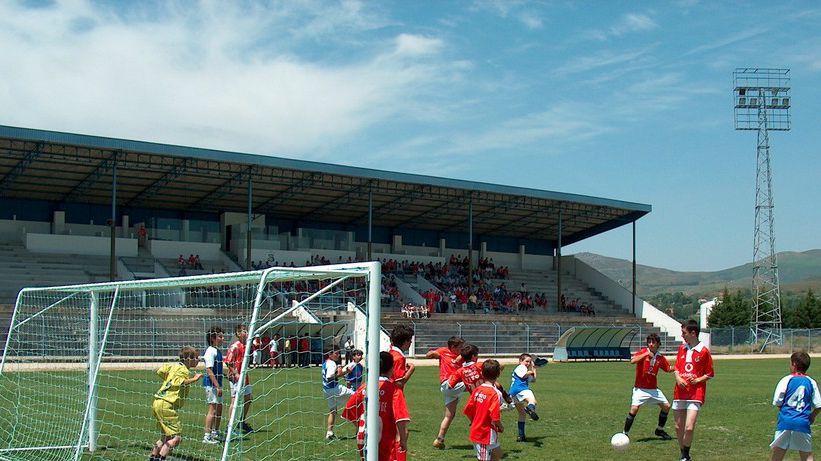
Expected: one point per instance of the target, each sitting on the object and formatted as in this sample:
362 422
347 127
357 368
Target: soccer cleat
439 443
330 436
209 440
663 434
245 428
521 438
533 415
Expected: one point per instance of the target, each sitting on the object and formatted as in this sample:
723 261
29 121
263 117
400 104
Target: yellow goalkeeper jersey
173 390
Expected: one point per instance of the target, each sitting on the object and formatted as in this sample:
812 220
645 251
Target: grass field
581 405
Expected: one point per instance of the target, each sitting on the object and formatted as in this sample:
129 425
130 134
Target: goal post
77 374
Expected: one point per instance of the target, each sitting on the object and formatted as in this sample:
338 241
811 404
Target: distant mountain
796 271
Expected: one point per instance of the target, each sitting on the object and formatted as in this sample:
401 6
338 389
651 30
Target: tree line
798 310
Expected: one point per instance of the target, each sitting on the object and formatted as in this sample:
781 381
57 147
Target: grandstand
56 191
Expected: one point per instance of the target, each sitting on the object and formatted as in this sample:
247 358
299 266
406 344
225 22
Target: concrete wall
12 230
79 244
171 249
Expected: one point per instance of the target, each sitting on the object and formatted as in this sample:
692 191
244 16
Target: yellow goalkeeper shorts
167 418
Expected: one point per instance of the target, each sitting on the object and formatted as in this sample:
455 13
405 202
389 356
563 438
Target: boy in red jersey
393 414
648 362
694 366
236 354
484 411
401 337
450 359
470 374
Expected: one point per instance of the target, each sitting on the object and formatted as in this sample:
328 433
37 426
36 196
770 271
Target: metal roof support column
634 267
470 246
112 271
559 266
370 224
248 232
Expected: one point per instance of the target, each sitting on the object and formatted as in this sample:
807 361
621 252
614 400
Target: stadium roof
66 167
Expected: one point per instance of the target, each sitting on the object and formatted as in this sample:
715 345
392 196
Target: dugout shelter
594 343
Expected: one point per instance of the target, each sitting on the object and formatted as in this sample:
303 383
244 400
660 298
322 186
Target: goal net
79 367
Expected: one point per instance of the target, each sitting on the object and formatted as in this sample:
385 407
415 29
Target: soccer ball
620 441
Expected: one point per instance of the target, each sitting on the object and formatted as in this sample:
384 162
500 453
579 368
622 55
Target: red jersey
236 352
392 409
470 373
399 365
648 368
483 407
693 362
449 362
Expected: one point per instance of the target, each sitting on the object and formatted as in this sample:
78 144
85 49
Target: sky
627 100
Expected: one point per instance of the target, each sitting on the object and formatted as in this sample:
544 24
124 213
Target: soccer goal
78 371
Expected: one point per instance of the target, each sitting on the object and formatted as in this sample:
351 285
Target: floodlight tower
762 103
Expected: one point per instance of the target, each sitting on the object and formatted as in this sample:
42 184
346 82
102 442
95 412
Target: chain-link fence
741 340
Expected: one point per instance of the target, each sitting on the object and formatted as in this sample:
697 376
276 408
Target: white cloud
186 75
530 20
633 23
415 45
600 59
515 9
627 24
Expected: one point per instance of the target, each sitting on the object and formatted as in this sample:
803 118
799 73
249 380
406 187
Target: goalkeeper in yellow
169 398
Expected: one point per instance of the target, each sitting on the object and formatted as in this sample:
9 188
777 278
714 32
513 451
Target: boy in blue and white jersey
213 384
354 370
520 392
336 395
798 402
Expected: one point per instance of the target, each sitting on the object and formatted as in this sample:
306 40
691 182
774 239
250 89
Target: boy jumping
450 359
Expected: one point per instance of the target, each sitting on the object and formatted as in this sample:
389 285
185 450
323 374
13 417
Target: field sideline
581 405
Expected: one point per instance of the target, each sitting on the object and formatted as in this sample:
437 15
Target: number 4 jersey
796 396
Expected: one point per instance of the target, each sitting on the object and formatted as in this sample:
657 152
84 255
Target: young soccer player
484 411
450 360
335 394
170 398
694 366
236 354
523 398
213 384
354 370
798 402
648 362
470 373
401 337
393 414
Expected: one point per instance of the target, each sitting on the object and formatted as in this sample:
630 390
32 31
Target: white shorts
792 440
523 396
451 395
642 396
211 396
483 452
337 397
235 387
686 405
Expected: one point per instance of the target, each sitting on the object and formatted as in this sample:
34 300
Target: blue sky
629 100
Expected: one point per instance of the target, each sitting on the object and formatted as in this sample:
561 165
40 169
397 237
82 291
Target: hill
797 271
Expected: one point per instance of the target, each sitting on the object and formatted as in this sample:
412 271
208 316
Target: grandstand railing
506 338
494 338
